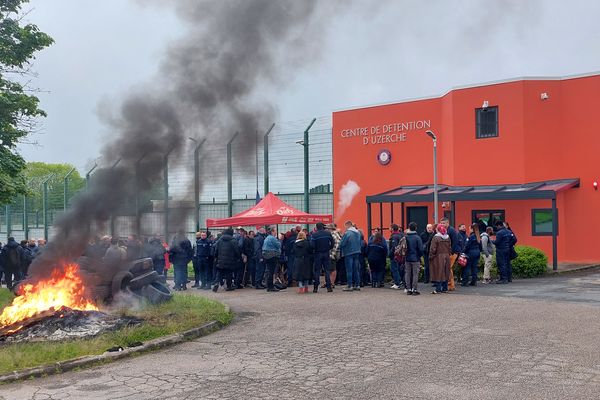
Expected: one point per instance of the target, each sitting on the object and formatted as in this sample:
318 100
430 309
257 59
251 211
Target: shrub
530 262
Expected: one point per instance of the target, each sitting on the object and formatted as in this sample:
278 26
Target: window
486 122
487 218
541 222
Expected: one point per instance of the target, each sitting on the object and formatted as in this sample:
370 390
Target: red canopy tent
269 211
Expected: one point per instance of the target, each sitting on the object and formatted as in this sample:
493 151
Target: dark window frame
478 123
533 230
491 212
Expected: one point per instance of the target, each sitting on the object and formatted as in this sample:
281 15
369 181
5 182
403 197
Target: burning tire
121 281
136 294
141 266
156 293
145 279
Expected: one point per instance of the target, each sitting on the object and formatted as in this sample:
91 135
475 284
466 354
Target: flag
257 197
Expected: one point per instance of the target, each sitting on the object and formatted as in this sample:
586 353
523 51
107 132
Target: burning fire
63 289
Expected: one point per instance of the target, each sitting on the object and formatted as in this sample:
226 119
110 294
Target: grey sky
396 50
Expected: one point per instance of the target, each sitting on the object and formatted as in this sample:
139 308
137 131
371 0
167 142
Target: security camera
544 96
485 104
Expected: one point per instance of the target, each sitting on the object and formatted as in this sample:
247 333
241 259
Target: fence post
266 159
197 181
88 176
230 176
112 216
306 183
66 189
8 221
136 169
166 191
45 205
25 218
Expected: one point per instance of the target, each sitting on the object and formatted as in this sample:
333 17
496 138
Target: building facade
522 150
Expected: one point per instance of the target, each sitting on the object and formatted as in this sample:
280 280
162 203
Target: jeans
260 272
470 270
239 273
411 276
322 262
303 283
502 261
181 277
441 286
271 264
395 272
352 270
340 267
250 272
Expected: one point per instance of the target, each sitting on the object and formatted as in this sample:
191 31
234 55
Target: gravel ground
534 339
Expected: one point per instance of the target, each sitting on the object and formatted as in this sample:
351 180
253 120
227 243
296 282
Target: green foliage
36 172
18 109
530 262
182 313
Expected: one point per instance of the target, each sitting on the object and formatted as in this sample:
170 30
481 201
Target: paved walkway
490 342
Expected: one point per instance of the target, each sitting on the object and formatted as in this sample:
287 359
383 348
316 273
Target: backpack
400 250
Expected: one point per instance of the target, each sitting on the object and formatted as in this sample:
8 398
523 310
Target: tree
18 109
36 172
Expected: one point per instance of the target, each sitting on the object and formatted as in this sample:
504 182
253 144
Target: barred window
486 121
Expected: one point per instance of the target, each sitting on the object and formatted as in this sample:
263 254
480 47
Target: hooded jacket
414 247
227 253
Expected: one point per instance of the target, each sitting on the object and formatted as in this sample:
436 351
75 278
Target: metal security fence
291 159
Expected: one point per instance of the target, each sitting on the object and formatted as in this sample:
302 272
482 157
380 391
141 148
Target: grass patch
6 297
182 313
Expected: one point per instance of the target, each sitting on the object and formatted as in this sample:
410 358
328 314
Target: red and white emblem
384 157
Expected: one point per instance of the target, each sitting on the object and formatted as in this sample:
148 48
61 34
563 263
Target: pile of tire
136 278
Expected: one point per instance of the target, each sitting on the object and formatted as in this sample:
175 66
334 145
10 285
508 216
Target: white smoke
348 192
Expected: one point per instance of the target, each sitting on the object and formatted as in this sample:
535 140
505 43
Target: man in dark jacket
504 240
426 237
259 240
414 252
26 258
248 252
155 250
12 254
322 243
288 246
462 237
202 254
180 255
134 248
228 256
397 270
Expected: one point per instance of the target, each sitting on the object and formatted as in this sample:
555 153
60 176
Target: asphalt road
534 339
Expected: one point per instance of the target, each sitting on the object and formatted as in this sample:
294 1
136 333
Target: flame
63 289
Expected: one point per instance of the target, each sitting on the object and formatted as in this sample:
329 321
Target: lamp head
431 134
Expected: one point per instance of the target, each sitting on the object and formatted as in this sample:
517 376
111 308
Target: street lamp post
435 188
197 180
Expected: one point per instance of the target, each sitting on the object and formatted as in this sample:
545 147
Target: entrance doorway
418 215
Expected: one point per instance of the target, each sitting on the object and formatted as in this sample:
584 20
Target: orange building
521 150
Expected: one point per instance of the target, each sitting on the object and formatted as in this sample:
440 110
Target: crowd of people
267 260
15 259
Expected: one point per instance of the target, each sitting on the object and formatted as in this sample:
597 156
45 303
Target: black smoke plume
209 85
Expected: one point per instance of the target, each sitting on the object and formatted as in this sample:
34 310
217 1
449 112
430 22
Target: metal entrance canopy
526 191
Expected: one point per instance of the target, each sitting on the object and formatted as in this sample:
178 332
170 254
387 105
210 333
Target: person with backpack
426 237
439 259
487 248
377 252
396 267
13 254
414 252
473 252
